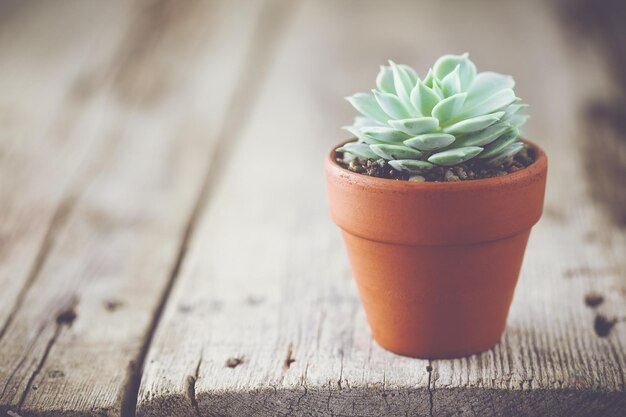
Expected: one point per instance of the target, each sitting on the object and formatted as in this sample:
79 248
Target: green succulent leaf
416 125
363 121
505 153
413 166
410 72
430 141
402 82
513 108
494 148
474 124
437 88
488 83
391 105
451 83
386 134
447 64
424 98
455 156
395 152
367 105
360 150
517 120
384 80
476 105
356 132
454 114
485 136
448 107
428 80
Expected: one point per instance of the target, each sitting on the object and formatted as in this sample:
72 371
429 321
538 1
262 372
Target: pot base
436 354
436 301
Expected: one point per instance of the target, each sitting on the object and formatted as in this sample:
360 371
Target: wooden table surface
165 245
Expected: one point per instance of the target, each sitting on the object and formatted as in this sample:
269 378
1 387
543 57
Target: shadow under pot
436 263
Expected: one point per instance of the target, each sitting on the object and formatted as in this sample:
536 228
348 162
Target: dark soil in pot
473 169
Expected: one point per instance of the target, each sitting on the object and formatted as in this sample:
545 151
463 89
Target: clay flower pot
436 263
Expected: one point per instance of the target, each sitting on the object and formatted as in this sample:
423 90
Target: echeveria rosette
452 115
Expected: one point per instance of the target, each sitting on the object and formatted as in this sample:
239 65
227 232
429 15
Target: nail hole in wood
603 325
66 317
234 362
112 305
593 300
55 373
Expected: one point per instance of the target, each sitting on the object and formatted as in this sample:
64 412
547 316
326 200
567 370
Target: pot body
436 264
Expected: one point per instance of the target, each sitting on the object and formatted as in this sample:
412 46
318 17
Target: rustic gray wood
264 318
165 246
47 133
124 159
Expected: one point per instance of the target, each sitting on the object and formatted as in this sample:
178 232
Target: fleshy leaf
362 121
447 63
360 150
356 132
391 105
485 136
448 107
451 116
437 88
410 72
505 153
428 80
430 141
395 152
415 126
423 98
494 148
511 109
451 83
411 165
401 82
488 83
475 105
384 80
368 106
518 120
474 124
386 134
455 156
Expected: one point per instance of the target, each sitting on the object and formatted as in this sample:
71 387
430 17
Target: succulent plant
451 116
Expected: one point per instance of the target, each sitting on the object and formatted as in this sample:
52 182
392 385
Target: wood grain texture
268 316
49 138
132 156
170 153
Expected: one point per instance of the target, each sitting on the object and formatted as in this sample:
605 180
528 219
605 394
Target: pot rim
540 164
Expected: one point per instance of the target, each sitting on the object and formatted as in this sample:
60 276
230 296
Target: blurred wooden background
165 248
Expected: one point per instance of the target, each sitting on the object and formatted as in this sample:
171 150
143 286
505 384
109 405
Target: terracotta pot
436 263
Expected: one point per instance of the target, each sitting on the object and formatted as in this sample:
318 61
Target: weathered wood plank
75 340
264 303
47 141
